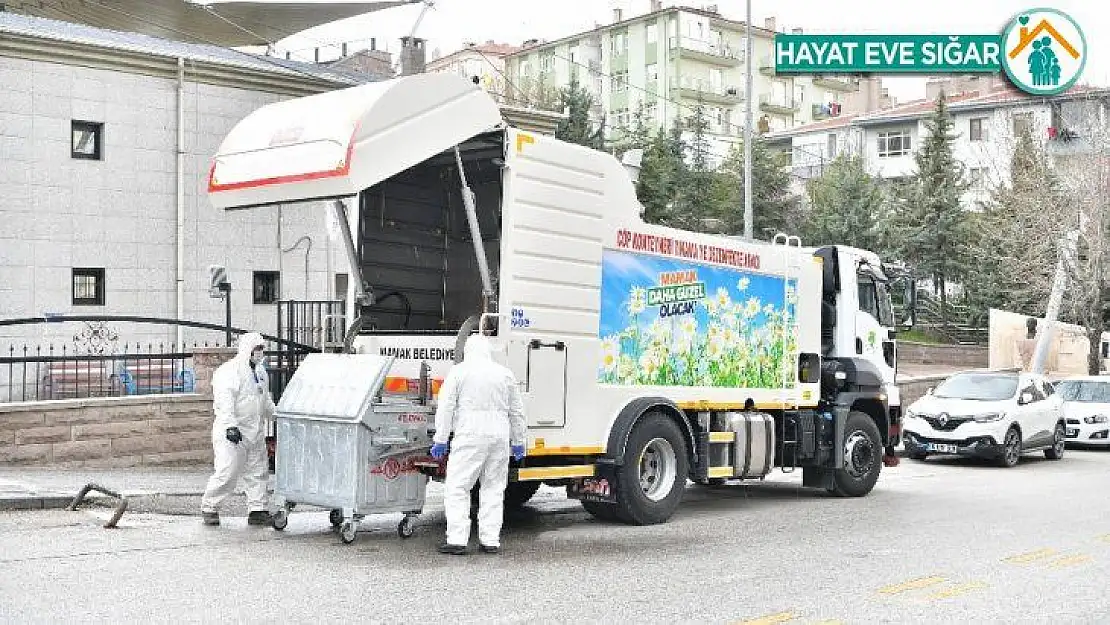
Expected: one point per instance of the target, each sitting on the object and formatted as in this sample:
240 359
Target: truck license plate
942 448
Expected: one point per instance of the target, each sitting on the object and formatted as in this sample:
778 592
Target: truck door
545 383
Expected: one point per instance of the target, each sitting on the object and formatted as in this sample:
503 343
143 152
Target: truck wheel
653 476
518 493
863 457
603 511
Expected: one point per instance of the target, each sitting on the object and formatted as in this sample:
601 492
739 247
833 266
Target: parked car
1086 405
998 415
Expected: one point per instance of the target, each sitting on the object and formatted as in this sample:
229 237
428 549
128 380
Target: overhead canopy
229 24
338 143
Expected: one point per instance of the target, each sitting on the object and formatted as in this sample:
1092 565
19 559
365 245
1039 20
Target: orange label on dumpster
391 468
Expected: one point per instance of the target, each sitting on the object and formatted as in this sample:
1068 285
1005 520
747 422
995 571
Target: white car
1086 403
988 414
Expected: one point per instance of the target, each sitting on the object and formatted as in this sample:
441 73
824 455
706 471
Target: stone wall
970 356
108 432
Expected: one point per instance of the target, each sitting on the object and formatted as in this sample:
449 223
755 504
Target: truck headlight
1095 419
989 417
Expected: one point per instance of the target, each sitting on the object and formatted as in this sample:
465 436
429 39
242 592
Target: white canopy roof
338 143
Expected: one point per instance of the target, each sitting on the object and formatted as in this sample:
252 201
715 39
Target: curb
35 502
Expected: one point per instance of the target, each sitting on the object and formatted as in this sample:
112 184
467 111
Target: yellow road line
956 591
1067 561
830 622
771 619
913 584
1032 556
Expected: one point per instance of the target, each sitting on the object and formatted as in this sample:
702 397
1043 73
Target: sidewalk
31 488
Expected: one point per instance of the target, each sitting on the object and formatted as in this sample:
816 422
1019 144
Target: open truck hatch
336 144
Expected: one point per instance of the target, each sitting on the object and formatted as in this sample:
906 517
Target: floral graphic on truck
672 322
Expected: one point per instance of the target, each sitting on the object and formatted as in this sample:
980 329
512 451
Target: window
1023 123
547 63
716 80
267 287
341 286
87 141
88 287
651 111
894 143
978 178
652 33
652 72
977 130
619 43
619 81
830 145
868 296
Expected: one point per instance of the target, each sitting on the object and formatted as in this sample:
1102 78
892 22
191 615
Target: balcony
777 105
825 111
695 89
714 53
836 82
767 65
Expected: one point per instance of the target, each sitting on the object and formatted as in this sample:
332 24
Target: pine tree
661 169
774 205
576 101
932 226
696 185
845 207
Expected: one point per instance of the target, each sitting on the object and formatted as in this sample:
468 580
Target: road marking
1032 556
829 622
913 584
956 591
771 619
1068 561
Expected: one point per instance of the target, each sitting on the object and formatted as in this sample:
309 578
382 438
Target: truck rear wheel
603 511
653 475
863 457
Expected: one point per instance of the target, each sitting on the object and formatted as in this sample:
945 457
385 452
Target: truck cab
858 334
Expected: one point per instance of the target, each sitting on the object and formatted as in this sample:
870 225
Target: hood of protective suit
477 349
247 344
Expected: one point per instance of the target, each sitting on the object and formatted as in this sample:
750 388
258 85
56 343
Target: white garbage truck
647 356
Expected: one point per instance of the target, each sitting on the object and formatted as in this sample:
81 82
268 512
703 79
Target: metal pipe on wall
180 203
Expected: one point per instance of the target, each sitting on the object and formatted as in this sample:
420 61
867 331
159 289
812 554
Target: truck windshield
978 387
1084 391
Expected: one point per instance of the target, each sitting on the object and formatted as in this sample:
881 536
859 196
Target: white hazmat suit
241 399
481 403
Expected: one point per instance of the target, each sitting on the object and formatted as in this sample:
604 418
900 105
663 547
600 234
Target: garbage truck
647 356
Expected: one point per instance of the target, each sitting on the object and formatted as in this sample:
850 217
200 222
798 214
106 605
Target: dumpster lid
335 386
335 144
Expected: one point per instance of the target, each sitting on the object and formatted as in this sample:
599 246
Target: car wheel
1059 442
1011 448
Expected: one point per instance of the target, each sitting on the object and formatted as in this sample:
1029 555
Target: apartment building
485 62
986 124
669 60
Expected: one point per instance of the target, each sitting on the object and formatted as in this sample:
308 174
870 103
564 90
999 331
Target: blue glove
518 452
439 450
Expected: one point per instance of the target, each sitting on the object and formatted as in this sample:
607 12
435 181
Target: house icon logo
1044 51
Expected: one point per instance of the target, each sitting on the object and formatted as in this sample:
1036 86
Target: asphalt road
935 542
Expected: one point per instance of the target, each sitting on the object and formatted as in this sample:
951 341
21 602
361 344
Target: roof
59 31
489 48
957 103
756 30
218 23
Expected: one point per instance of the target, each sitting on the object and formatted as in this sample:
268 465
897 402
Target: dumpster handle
120 509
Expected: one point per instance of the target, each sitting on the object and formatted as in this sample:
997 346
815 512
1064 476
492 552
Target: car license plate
1073 432
942 448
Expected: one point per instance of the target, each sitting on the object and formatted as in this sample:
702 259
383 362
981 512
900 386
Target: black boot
487 549
258 517
210 518
452 550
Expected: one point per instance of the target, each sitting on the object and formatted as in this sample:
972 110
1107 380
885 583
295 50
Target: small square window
88 287
87 141
978 129
267 287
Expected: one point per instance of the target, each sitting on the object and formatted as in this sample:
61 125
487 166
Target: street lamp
748 217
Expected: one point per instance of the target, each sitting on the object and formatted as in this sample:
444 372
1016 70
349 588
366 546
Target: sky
451 22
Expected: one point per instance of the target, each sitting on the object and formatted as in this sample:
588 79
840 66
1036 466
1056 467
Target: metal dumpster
343 444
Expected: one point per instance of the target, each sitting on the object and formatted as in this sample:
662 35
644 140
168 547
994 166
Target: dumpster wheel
406 528
280 519
336 517
347 532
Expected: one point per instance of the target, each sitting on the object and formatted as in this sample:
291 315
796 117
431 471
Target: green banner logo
1043 51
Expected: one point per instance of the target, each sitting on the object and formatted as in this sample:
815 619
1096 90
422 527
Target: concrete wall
108 432
969 356
913 389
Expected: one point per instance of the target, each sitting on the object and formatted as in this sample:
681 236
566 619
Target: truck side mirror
929 391
1026 398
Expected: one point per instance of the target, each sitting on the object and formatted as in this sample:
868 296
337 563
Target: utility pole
748 216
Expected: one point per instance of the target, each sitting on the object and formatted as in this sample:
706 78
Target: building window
620 81
652 33
267 287
978 178
651 113
87 141
830 145
977 131
894 143
652 72
1023 123
547 63
88 287
619 43
341 286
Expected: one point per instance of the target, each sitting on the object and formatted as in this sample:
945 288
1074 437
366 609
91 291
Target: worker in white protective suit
243 406
480 402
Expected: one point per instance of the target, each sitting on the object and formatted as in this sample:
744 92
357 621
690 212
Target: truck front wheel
652 477
863 457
